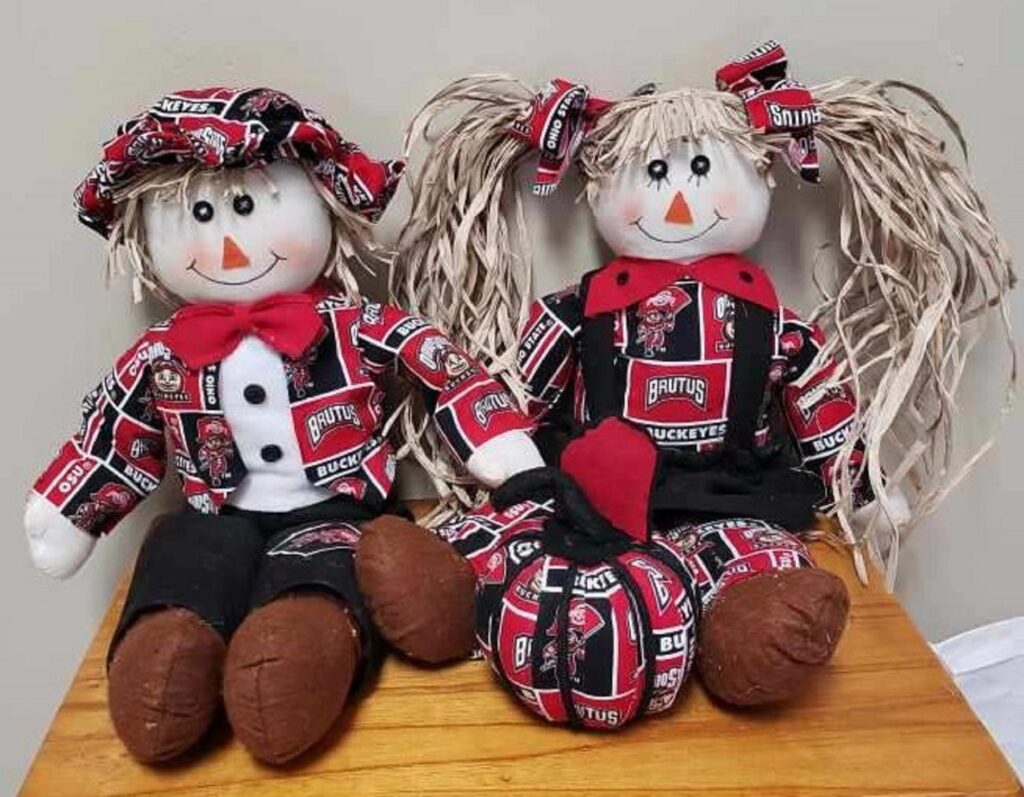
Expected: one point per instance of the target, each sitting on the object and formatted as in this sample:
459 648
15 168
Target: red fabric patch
628 280
614 465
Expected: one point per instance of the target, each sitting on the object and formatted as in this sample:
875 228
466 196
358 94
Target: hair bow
558 118
776 103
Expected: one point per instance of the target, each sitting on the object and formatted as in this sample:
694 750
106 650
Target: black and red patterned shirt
152 408
674 347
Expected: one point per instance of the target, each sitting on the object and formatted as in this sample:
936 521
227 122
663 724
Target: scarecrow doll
245 210
759 417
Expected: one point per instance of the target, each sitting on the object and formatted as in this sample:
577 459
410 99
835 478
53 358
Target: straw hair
923 263
639 125
463 255
127 253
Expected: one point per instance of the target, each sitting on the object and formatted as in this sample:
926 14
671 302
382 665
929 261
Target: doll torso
266 432
676 352
673 359
254 395
673 364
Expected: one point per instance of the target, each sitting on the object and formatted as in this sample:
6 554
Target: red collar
628 280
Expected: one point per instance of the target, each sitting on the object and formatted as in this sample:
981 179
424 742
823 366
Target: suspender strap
751 360
597 361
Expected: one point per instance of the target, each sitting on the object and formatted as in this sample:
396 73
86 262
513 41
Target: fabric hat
218 127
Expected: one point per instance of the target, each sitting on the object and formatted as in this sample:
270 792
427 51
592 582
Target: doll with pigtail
707 419
275 587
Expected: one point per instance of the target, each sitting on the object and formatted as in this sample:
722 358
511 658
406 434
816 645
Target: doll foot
764 637
420 592
288 673
163 684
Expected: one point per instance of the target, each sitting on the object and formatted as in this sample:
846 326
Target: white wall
73 70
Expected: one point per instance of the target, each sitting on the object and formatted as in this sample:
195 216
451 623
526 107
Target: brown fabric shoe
420 592
763 638
163 683
288 673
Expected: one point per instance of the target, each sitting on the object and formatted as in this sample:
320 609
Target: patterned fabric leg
721 553
771 618
478 534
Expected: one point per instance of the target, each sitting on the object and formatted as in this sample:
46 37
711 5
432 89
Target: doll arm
473 414
114 460
546 354
57 546
820 415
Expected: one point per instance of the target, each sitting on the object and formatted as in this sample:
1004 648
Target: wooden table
885 719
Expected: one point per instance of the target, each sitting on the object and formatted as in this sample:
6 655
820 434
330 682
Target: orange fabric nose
233 256
678 211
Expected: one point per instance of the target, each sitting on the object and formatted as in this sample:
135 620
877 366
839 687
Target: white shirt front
263 428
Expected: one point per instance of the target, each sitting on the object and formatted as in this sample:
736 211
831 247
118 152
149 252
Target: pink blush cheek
204 257
295 250
631 209
729 203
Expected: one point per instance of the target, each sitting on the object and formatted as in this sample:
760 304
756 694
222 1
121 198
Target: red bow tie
202 334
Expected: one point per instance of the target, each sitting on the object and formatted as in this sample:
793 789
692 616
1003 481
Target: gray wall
73 70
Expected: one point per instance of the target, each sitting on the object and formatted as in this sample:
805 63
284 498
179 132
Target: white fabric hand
503 457
899 512
57 546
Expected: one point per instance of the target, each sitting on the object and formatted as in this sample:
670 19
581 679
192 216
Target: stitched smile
267 270
718 218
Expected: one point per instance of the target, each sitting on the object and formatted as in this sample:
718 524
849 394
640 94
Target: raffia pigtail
464 257
925 267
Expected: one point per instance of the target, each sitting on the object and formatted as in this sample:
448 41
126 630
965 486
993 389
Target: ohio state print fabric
218 127
675 352
609 648
152 409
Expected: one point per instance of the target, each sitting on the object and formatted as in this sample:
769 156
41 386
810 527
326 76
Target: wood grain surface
884 719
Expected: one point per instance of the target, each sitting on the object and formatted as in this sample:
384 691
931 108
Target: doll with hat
279 584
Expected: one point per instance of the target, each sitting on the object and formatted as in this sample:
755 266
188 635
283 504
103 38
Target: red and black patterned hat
235 127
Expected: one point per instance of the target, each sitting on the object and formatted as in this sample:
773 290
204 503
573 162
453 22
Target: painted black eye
700 165
658 170
243 204
202 211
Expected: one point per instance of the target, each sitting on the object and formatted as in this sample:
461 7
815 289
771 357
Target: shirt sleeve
546 355
116 458
820 414
469 407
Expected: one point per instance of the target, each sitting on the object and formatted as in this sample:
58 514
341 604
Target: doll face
700 198
222 245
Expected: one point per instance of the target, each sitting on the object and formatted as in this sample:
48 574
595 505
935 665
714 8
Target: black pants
221 567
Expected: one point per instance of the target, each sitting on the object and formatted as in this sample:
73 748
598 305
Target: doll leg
294 660
421 585
771 618
420 591
188 593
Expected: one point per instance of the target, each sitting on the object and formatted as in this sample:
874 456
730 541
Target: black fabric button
255 394
746 276
622 277
271 453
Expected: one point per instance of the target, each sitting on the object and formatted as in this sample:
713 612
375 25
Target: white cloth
987 664
278 486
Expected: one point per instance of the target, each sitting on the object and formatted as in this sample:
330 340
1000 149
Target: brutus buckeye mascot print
215 448
278 586
656 318
710 420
